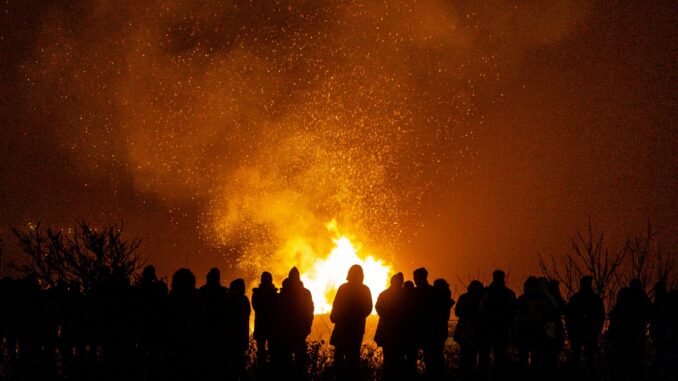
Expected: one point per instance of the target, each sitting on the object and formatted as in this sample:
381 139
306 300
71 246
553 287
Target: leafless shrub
642 257
647 261
589 256
82 255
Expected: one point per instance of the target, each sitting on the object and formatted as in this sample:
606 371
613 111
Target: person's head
475 287
441 283
266 278
554 287
294 274
420 276
498 277
586 283
237 287
636 284
531 285
355 274
183 279
660 289
148 274
408 285
397 280
214 276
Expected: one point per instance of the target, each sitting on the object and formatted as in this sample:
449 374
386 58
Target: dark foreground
96 364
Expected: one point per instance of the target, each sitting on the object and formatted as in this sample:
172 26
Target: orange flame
325 276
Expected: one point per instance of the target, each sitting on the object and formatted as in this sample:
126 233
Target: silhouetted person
215 330
352 305
410 330
466 331
63 307
151 306
666 333
555 327
115 323
295 317
628 326
239 330
532 314
497 314
425 315
442 306
663 331
389 333
265 305
584 316
185 323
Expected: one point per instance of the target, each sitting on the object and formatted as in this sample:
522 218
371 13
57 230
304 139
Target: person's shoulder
386 293
306 291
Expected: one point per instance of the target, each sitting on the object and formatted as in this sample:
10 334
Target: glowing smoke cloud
275 117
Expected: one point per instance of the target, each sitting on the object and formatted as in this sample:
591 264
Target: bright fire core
326 275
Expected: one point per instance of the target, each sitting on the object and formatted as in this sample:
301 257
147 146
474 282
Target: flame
325 276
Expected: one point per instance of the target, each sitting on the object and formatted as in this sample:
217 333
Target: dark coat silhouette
468 312
296 311
584 317
239 309
295 317
151 305
389 334
533 311
465 333
555 327
239 328
185 324
352 305
389 308
435 348
442 308
664 330
425 309
497 316
215 300
628 326
215 330
667 346
410 329
265 305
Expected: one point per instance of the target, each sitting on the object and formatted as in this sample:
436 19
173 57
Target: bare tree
589 256
648 262
83 254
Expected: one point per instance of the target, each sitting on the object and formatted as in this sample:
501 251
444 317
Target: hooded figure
239 330
389 333
585 316
295 317
351 307
265 305
215 325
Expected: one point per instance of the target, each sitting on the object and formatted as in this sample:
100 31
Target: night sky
457 135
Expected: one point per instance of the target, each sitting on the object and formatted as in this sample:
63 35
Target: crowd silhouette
148 331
